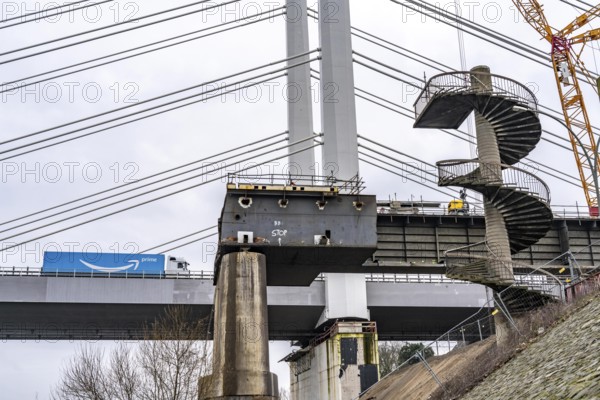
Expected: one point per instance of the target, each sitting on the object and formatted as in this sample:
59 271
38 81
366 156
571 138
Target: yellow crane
565 60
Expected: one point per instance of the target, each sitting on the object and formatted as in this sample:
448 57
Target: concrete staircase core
517 203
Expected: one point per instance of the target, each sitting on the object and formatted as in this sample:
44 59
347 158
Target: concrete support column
241 340
504 329
338 116
346 297
338 107
300 116
491 172
487 149
339 367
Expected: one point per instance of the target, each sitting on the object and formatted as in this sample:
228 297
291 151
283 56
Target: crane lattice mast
566 61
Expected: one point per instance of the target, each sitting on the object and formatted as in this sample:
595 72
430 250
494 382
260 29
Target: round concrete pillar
241 338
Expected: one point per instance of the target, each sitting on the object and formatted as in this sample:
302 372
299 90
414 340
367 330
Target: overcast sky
80 167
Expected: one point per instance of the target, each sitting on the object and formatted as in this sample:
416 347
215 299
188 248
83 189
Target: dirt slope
563 363
416 383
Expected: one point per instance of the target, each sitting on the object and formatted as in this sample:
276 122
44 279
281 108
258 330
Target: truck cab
176 265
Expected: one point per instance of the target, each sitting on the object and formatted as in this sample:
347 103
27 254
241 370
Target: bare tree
284 394
167 365
388 357
393 354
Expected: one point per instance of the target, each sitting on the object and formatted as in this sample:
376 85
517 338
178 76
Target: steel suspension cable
487 31
251 84
153 191
179 238
260 141
476 35
13 245
482 29
111 33
229 158
399 52
399 153
43 11
158 98
26 84
395 165
315 17
188 243
402 176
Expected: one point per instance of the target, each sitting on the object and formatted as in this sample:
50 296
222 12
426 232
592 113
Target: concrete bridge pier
241 337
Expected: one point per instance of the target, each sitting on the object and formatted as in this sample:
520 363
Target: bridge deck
49 308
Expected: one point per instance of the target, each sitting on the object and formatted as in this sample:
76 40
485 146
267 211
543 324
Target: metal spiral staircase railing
521 198
448 99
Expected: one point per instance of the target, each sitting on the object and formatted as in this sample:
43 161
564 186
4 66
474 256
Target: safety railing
486 260
473 253
354 185
36 271
209 275
462 82
564 211
478 260
473 172
475 209
548 285
413 278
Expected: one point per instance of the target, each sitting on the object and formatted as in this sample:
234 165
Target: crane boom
592 34
580 21
533 13
575 113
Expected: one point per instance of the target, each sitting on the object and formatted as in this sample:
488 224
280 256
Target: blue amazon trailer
72 263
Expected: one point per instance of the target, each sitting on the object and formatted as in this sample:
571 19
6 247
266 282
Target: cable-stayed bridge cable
150 108
137 195
26 84
188 243
180 238
108 34
14 245
163 187
229 76
402 176
260 141
229 158
147 116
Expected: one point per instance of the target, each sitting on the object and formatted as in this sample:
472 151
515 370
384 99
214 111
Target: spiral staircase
522 199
